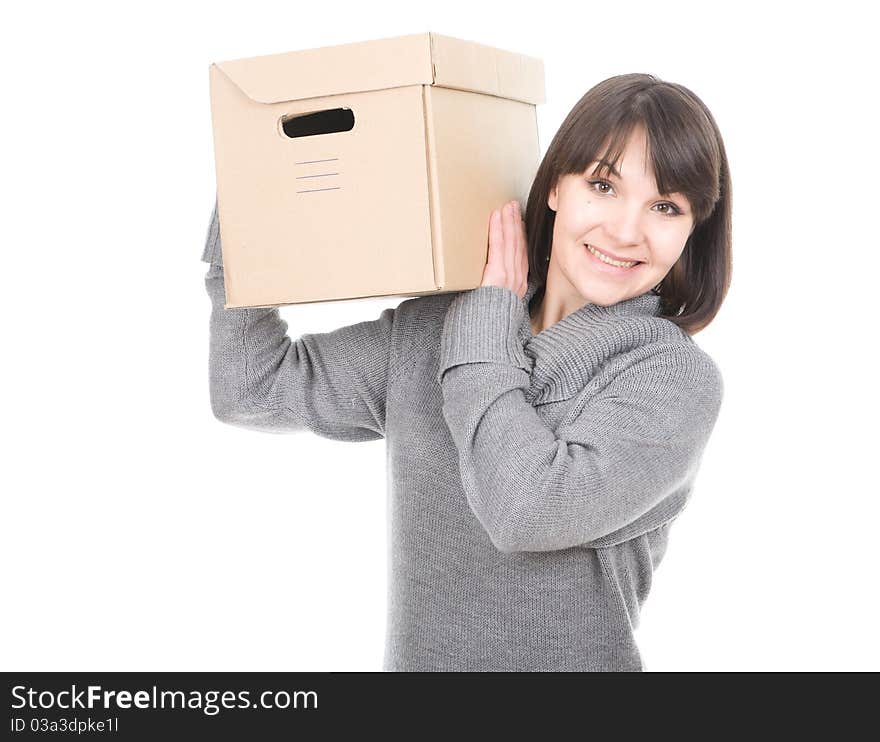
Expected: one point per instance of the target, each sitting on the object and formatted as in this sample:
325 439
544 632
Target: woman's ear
552 198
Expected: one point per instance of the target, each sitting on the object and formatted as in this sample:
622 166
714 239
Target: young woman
544 429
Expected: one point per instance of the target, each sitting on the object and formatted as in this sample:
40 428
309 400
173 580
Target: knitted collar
568 353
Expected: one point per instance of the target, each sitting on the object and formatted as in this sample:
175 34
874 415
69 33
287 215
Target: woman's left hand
507 264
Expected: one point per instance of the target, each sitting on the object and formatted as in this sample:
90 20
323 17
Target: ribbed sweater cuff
485 324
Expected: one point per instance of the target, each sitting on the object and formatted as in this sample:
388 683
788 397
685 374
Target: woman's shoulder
422 315
677 362
670 339
418 323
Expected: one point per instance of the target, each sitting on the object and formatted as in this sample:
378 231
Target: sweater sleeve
333 384
629 450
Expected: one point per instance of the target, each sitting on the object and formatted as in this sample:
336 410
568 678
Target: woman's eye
594 183
673 210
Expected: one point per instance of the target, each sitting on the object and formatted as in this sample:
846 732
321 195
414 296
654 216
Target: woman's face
623 217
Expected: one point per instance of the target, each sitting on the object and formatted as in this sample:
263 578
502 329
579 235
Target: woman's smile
607 267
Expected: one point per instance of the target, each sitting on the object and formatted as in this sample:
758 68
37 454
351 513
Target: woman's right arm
333 384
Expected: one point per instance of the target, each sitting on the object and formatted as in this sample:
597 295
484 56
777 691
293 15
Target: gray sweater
532 478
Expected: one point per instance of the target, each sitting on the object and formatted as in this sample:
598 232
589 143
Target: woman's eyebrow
609 166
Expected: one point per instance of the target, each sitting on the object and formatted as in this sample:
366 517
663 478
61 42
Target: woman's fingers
506 227
496 239
520 241
517 250
510 243
507 261
520 251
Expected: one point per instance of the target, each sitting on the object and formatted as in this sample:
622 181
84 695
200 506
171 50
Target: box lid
417 59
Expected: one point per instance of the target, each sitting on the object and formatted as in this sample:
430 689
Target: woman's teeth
611 261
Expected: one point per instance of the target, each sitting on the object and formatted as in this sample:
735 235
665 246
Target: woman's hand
507 264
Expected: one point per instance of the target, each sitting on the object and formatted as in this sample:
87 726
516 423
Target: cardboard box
368 169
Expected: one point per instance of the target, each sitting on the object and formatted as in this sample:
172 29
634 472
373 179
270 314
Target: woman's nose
626 225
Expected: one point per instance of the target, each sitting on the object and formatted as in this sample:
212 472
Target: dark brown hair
687 155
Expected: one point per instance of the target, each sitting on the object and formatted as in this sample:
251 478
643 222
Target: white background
139 533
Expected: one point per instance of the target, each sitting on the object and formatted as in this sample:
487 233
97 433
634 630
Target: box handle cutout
331 121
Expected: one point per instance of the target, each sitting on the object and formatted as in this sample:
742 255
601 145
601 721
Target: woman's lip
608 268
613 256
